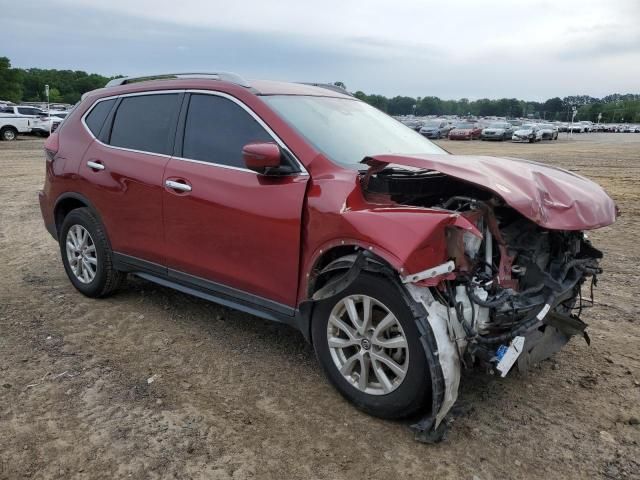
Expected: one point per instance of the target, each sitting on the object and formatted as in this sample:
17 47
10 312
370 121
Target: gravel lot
152 383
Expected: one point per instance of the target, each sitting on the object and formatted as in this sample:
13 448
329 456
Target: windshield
346 130
499 125
527 126
433 124
465 126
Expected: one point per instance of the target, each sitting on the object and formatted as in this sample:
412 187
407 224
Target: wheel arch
67 202
333 270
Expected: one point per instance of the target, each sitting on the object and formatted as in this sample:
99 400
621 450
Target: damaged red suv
402 264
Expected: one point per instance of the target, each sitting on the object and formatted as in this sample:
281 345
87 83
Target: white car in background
48 122
11 124
528 132
588 126
548 131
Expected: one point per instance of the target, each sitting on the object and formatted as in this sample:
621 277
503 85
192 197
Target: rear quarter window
97 116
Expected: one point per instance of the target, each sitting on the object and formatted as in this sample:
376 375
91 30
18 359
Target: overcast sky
531 49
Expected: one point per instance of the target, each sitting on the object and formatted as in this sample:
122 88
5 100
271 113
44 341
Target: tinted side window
216 129
144 122
98 114
28 111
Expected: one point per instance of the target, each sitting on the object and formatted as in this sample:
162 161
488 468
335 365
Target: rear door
123 168
229 226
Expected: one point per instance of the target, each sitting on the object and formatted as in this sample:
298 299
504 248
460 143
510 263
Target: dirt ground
151 383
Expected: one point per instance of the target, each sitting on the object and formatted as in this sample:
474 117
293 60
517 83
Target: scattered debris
607 437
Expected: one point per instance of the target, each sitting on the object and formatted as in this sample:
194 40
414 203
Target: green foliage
620 108
67 86
10 86
27 85
613 107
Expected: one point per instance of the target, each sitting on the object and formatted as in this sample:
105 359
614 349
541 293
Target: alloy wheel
81 253
367 344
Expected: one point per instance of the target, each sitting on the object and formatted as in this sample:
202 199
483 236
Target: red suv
300 204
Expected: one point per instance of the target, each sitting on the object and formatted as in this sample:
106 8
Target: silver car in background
548 131
528 132
435 129
498 131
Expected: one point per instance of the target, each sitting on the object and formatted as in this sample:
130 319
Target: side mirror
261 157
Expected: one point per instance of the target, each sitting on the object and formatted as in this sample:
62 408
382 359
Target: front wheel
367 343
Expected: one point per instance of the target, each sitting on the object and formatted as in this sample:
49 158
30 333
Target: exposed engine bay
512 293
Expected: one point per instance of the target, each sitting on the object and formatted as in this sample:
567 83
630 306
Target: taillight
51 146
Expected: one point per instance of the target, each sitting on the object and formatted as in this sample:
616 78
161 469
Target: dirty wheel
367 343
86 254
8 134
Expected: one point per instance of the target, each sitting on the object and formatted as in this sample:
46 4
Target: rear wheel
368 344
86 254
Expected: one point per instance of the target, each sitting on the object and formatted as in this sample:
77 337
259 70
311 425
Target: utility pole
46 92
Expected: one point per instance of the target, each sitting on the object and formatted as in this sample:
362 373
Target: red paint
261 156
264 234
549 196
465 133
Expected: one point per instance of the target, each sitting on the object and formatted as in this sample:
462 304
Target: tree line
67 86
28 85
614 108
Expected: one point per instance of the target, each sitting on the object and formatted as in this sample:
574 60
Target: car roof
257 87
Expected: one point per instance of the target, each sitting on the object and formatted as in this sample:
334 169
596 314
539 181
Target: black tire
414 392
8 134
107 279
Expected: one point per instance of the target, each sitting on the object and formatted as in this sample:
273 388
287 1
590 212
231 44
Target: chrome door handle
95 165
183 187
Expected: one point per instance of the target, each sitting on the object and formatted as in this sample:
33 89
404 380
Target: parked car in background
256 196
548 131
38 119
528 132
465 131
12 124
497 131
577 128
588 126
435 129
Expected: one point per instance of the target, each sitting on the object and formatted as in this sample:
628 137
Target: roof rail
328 86
223 76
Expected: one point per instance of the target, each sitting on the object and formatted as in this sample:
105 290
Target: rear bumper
47 214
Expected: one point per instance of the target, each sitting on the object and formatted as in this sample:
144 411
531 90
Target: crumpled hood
549 196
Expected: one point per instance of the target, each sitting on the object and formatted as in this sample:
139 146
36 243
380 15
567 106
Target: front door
224 223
